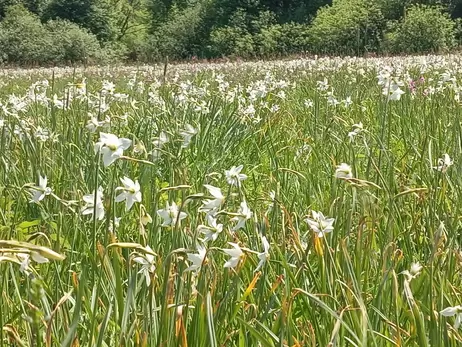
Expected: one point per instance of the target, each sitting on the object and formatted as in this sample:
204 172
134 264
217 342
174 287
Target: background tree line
95 31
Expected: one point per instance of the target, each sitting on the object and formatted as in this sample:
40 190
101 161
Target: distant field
285 203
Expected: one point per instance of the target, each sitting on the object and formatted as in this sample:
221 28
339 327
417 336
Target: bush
180 37
294 38
23 38
72 43
423 29
98 16
347 27
248 36
231 41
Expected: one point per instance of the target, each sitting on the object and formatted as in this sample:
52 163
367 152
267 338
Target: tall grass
358 285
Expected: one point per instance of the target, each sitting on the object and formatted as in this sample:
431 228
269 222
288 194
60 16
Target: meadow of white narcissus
289 203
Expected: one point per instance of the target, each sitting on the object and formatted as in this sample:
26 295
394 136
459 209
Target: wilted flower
453 311
148 265
139 148
94 204
111 147
234 176
130 192
170 214
198 259
41 191
145 218
343 171
320 224
235 253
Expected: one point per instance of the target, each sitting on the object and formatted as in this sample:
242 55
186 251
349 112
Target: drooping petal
125 143
449 311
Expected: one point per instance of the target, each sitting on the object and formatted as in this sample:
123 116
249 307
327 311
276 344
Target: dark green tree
95 15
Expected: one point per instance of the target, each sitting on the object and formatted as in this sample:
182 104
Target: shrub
23 38
346 27
181 36
423 29
98 16
294 38
232 41
72 43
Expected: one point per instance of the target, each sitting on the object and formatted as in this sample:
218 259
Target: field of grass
291 203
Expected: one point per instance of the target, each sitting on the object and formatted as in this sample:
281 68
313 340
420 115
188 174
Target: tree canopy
180 29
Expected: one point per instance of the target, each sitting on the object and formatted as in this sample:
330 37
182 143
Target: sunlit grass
362 142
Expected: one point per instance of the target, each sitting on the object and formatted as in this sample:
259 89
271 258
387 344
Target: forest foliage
46 32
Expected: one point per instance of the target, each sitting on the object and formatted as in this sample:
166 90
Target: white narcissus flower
158 144
343 171
320 224
198 259
263 256
147 263
415 269
94 204
234 176
111 147
212 230
170 214
308 103
130 193
348 102
444 163
93 123
58 103
244 214
24 258
187 135
41 190
211 206
235 253
357 128
393 92
453 311
413 272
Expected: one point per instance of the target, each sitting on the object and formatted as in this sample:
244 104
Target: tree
423 29
347 27
96 15
34 6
